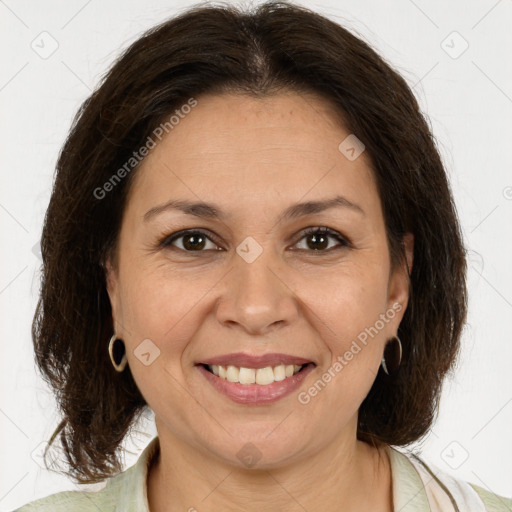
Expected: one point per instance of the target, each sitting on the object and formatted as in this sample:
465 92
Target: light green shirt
416 488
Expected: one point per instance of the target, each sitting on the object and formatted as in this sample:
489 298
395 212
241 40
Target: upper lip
252 361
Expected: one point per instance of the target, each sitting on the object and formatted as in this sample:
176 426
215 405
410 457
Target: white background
469 102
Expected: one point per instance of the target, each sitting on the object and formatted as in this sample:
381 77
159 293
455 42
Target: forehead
250 151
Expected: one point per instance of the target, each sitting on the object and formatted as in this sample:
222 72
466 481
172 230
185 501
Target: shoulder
105 499
418 486
493 502
76 501
126 491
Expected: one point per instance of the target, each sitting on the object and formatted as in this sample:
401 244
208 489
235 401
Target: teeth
279 372
232 374
247 376
261 376
265 376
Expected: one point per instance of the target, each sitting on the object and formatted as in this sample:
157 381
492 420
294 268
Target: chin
263 450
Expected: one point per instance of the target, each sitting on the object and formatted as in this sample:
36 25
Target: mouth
259 376
255 379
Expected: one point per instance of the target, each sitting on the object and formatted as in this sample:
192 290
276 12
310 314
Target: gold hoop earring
392 356
117 353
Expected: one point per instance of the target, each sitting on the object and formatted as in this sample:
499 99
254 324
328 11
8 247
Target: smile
260 376
254 380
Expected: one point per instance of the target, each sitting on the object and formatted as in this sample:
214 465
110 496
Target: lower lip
255 394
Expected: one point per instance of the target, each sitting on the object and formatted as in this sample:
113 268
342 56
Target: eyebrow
212 211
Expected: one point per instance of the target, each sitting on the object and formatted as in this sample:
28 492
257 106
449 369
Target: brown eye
192 241
317 239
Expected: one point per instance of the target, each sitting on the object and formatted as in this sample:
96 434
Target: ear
112 280
408 242
399 279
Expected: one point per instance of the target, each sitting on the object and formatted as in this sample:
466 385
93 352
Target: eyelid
167 240
324 230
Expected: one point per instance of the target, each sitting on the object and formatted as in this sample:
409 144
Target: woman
251 233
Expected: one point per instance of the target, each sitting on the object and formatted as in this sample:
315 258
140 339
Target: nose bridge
256 296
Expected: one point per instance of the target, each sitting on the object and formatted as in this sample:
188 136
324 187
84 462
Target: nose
257 297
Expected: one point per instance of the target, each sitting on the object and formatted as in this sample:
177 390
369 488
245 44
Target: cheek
159 317
353 300
353 335
161 306
354 324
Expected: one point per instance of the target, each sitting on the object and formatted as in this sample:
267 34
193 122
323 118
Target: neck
349 476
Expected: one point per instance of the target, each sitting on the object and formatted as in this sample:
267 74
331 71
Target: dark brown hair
214 49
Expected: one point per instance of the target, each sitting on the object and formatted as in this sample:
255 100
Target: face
252 284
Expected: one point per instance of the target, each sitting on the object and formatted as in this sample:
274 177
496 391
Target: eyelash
166 242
